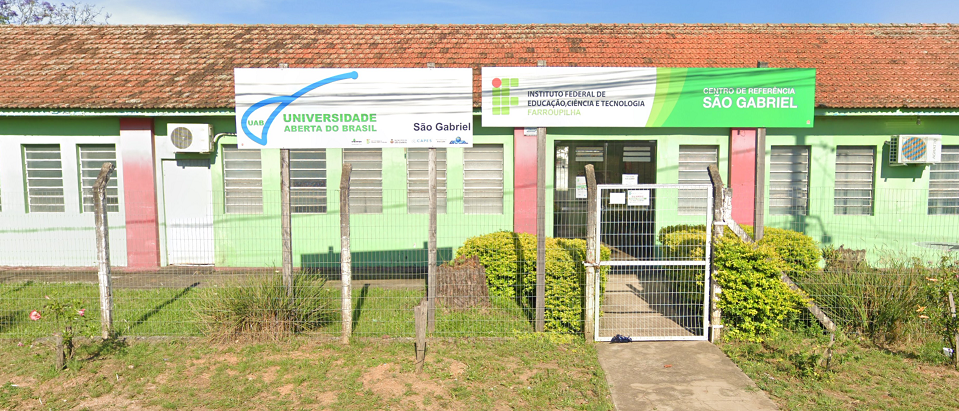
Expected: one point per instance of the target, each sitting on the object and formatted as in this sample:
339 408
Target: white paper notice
617 198
638 198
580 186
630 179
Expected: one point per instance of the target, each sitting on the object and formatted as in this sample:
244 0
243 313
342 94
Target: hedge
754 300
510 262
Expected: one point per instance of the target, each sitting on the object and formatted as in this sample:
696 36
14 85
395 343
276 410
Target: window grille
693 161
789 180
308 181
366 180
562 168
242 181
44 175
417 182
855 173
483 179
944 183
590 154
91 158
640 154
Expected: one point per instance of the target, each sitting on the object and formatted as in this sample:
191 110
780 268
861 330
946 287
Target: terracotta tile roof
859 66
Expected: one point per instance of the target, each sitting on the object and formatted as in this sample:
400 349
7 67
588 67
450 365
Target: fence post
419 323
285 221
760 189
103 249
715 315
591 255
431 245
540 229
345 258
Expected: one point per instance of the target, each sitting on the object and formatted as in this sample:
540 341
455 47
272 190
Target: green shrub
799 252
754 300
510 262
939 289
260 309
683 241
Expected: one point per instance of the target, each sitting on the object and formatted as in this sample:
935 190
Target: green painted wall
394 238
900 216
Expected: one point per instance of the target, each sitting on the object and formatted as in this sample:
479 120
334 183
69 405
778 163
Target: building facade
73 97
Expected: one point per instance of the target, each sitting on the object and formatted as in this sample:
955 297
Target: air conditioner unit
190 138
915 149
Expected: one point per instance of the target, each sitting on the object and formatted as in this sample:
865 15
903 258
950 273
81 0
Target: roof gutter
829 112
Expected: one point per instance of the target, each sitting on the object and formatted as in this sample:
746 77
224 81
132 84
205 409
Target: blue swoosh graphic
283 102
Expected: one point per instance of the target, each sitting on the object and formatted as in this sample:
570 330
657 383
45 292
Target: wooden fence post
431 245
715 315
420 320
103 249
285 223
345 257
592 257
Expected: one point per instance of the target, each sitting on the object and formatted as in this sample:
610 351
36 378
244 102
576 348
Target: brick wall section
191 66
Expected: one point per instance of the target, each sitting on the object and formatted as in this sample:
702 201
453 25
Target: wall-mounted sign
326 107
648 97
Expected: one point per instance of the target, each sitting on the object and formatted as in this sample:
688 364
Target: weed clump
260 308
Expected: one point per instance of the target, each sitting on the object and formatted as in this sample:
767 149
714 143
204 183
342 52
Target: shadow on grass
19 288
358 311
155 310
10 320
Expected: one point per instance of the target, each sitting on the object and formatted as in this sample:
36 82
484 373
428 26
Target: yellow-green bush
799 253
754 299
510 262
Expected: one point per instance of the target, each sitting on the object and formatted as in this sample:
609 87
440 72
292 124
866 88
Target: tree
23 12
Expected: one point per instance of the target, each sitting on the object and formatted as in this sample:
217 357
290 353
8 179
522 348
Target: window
242 181
590 154
91 158
693 161
42 167
366 180
308 181
944 183
855 172
418 182
483 179
789 180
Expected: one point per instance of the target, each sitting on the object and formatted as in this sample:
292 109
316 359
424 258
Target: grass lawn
862 376
169 312
529 372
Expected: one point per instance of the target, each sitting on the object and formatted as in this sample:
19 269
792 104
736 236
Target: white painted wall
53 239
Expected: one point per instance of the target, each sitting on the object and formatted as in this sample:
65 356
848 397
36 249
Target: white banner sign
567 96
341 108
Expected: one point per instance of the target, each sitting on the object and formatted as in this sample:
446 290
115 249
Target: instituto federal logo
502 101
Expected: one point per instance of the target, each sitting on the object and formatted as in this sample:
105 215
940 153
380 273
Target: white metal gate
654 291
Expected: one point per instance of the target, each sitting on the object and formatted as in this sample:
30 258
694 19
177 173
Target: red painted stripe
524 182
742 173
139 190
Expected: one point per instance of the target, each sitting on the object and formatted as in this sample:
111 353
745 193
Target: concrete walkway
677 375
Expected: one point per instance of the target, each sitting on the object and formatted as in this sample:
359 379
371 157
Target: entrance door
188 206
613 161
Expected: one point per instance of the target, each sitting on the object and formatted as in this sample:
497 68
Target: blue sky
535 11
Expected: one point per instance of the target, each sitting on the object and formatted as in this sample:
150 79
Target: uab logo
502 101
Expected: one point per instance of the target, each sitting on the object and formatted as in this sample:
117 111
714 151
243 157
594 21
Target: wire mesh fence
171 271
878 249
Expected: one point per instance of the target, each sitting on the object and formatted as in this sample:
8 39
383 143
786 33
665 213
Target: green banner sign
648 97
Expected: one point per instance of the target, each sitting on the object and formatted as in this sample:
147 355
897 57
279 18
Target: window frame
27 178
474 194
254 184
